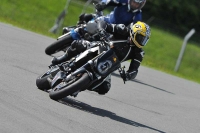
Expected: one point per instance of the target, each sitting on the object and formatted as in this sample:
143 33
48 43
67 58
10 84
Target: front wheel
80 82
59 45
42 81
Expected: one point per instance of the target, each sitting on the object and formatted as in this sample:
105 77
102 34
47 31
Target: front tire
42 82
66 90
59 45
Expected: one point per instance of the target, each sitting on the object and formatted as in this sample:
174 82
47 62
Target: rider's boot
67 56
103 88
60 59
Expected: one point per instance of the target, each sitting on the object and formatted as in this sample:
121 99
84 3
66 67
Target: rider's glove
81 19
131 75
84 18
100 6
121 29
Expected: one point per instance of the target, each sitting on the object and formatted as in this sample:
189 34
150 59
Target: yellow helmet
140 33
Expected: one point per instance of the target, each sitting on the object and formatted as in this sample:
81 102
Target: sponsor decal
114 59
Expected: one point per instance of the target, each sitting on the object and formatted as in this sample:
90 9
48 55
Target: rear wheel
59 45
78 83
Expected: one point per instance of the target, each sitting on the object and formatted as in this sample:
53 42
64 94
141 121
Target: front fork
73 33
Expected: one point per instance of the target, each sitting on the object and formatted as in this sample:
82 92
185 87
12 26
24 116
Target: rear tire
59 45
78 85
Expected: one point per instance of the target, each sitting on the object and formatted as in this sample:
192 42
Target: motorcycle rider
137 36
125 12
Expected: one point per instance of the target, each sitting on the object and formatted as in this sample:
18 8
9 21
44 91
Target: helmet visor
135 4
140 39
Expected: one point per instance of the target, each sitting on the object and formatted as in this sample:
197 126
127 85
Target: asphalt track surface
155 102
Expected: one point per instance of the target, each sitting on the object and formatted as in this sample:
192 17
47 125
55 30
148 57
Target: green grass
38 15
162 50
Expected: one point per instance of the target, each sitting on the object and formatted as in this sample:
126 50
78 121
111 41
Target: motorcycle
42 81
89 69
63 42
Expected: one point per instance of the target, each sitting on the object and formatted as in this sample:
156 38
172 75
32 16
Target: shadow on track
101 112
137 81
